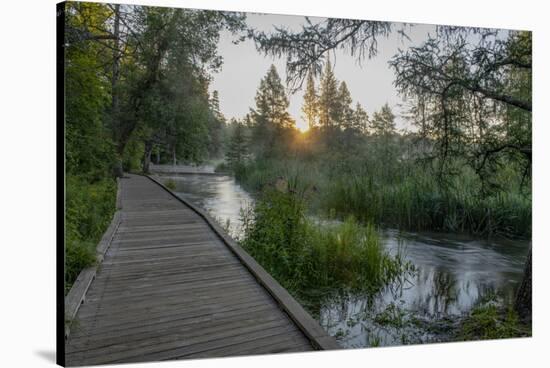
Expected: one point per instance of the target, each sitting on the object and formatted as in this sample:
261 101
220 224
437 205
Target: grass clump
488 321
303 255
170 183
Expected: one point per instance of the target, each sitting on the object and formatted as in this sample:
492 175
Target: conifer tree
360 119
310 105
272 101
345 111
383 122
215 105
383 129
237 151
271 116
328 98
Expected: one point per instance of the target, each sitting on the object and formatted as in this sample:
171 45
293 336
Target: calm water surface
452 273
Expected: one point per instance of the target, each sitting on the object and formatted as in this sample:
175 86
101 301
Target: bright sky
370 83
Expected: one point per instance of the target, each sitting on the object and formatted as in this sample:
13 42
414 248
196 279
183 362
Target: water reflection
453 272
219 195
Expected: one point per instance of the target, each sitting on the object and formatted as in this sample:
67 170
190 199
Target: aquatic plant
170 183
489 320
305 255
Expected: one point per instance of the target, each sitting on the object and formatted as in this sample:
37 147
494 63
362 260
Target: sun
302 126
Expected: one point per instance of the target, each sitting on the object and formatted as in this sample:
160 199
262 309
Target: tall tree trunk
523 303
174 160
118 170
147 156
158 155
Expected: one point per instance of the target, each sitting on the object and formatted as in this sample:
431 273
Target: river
452 273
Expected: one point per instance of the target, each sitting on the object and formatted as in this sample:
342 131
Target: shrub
89 209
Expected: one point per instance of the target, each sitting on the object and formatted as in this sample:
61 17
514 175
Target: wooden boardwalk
171 287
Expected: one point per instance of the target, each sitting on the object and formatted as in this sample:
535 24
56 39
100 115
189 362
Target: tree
523 302
329 111
472 101
136 48
344 105
271 117
306 49
310 104
360 119
383 122
89 148
237 151
382 126
216 124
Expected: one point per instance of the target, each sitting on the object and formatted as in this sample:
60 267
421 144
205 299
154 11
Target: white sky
370 83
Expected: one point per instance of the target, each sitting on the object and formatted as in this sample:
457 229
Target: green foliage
237 151
488 322
417 203
170 184
310 104
89 149
391 316
270 120
328 103
133 154
305 256
89 208
383 122
470 92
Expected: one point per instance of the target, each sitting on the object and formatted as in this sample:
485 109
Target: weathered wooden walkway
172 286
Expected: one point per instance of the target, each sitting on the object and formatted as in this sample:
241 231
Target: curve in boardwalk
170 287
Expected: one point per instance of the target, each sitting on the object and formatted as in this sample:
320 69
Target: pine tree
328 98
270 117
310 105
345 111
383 122
272 101
360 119
215 106
237 151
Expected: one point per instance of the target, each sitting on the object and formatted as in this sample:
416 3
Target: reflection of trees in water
444 291
343 310
436 291
436 296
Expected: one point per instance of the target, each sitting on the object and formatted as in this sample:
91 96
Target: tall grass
416 203
401 195
304 255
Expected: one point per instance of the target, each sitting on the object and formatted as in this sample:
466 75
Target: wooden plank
187 326
120 324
